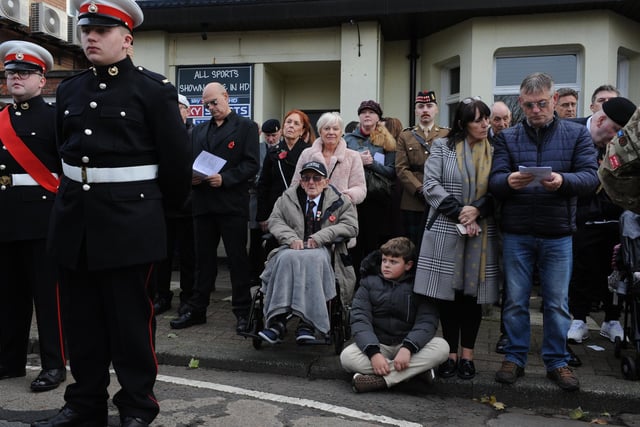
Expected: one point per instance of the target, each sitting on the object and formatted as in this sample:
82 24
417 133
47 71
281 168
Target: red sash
24 156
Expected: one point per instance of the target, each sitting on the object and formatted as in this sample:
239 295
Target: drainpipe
413 65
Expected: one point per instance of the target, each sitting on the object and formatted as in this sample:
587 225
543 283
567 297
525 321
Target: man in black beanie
597 233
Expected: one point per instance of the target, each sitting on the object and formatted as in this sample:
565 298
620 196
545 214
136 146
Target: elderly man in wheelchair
299 277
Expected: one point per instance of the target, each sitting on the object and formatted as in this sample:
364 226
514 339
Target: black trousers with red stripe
108 317
28 279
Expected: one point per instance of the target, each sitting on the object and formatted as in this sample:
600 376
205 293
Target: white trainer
578 332
612 330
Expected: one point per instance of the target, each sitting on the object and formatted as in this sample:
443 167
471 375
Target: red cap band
23 57
92 8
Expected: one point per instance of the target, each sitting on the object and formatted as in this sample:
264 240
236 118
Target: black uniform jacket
237 142
118 116
25 210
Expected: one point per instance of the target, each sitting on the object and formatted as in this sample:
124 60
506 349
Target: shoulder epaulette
155 76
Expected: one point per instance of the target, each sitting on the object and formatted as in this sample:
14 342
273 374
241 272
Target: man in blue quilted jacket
538 219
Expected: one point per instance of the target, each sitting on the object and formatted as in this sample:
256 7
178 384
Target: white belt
101 175
20 179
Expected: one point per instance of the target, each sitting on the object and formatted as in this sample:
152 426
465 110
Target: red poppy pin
282 155
332 218
231 145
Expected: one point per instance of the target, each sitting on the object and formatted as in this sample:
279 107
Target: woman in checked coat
459 268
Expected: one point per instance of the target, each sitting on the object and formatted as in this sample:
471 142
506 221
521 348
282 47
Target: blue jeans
553 257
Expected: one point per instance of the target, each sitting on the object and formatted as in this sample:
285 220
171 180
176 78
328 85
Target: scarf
474 165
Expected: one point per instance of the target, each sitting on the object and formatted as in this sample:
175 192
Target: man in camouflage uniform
413 148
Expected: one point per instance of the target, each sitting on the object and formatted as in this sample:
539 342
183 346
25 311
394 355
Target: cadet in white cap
125 157
28 162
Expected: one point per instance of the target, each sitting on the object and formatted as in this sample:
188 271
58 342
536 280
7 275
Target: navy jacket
566 147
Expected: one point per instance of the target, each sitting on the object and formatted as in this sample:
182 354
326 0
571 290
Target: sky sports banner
237 79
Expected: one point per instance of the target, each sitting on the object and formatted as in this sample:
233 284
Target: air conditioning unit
15 10
73 33
49 20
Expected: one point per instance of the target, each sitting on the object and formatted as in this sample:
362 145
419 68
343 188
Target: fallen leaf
576 414
172 335
194 363
599 421
499 406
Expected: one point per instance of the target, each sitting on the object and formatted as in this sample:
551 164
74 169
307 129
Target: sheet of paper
539 173
207 164
379 157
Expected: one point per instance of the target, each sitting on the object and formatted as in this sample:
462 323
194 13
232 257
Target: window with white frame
512 68
450 93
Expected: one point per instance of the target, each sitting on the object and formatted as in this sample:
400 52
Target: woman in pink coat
345 168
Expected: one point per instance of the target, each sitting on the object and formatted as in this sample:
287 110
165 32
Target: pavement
215 344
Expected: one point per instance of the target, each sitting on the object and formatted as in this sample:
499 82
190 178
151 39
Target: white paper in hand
539 173
207 164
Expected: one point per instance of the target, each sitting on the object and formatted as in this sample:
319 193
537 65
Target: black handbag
378 186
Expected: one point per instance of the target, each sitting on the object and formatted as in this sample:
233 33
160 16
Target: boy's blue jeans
553 258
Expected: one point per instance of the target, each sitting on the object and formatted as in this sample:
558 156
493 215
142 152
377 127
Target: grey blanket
299 282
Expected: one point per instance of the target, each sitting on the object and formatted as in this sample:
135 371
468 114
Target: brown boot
362 383
565 378
509 372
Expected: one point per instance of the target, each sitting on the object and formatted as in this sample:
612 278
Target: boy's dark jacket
389 312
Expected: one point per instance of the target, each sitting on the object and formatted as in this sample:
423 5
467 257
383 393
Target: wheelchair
625 282
339 330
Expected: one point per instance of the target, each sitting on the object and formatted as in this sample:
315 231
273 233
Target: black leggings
460 320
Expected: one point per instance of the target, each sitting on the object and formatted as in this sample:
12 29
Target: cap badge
19 56
24 106
93 8
113 71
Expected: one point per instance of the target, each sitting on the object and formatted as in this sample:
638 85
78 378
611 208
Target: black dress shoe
241 325
466 369
6 373
67 417
49 379
574 360
448 368
134 422
187 319
161 304
502 343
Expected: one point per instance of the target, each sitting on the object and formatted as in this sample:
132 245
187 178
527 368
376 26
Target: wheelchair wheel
341 329
629 368
617 347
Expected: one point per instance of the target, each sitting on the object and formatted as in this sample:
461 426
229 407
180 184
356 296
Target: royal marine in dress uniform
125 155
27 128
412 151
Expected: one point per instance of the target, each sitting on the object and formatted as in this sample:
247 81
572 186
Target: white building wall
328 68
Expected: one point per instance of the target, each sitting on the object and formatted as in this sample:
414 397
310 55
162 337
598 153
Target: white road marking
338 410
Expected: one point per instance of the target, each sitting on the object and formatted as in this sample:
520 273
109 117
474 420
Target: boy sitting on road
394 328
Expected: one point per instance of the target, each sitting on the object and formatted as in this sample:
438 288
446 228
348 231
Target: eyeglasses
540 104
209 104
315 178
470 99
23 74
